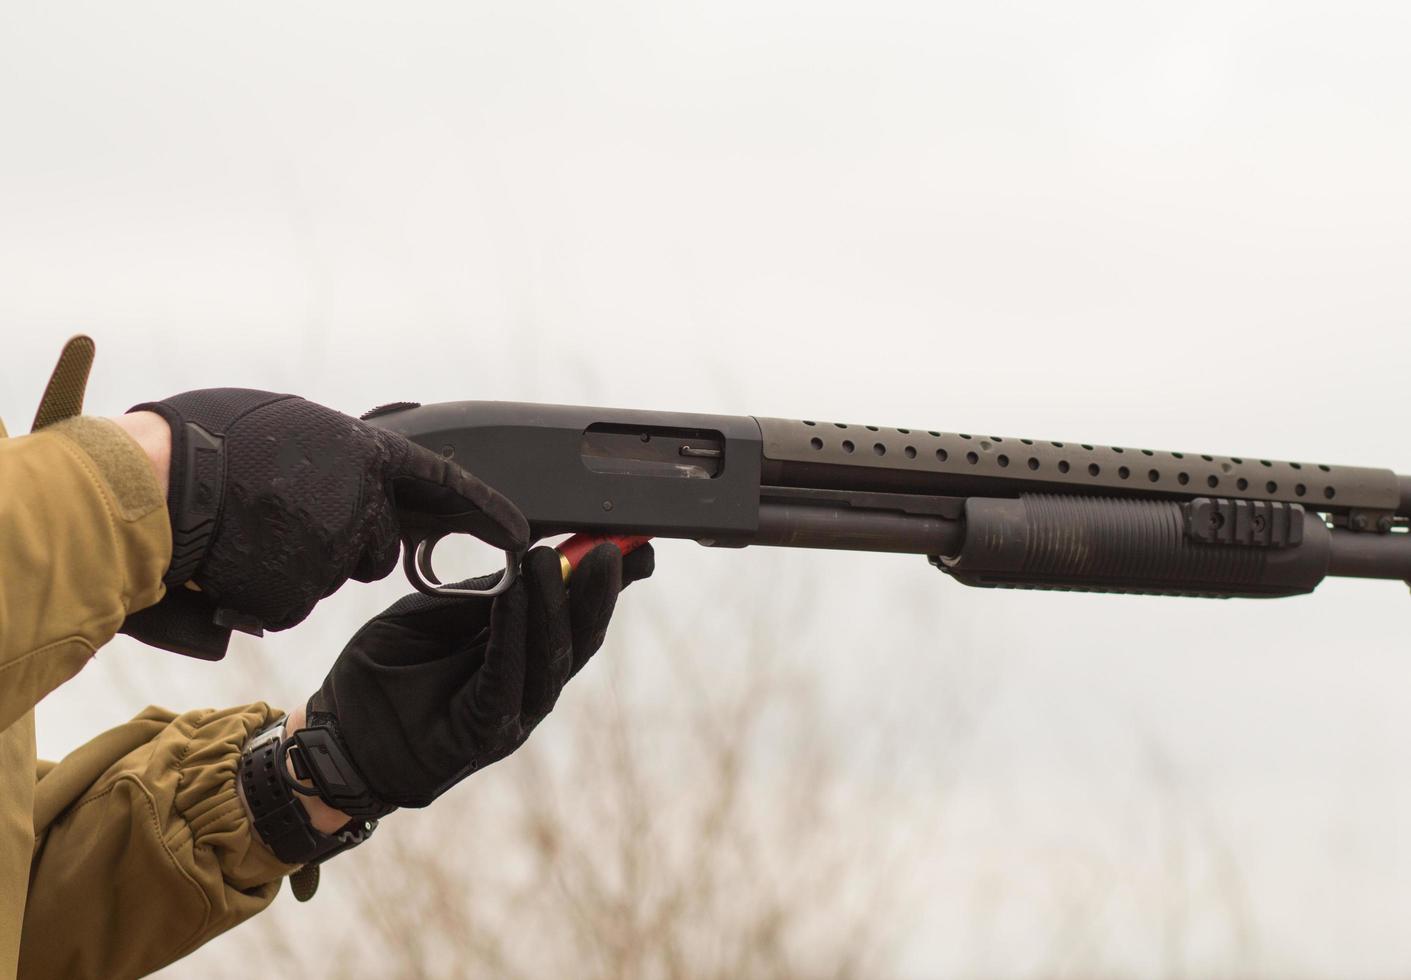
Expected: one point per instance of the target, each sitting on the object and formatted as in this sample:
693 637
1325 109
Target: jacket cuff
206 796
139 508
120 460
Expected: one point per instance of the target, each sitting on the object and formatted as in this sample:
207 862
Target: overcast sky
1183 226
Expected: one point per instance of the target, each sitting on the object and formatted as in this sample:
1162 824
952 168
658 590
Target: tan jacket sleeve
144 851
84 539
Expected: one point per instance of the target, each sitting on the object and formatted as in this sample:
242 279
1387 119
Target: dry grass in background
704 828
706 803
700 807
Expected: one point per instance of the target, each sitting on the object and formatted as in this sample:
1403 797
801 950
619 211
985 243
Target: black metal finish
1370 555
945 462
570 468
996 511
1253 523
1104 544
846 529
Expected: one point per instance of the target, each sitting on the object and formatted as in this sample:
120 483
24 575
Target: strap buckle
316 754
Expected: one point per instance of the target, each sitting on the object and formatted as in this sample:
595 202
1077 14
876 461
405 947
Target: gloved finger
458 624
291 617
449 642
379 555
596 583
431 493
638 564
419 603
549 643
486 711
450 623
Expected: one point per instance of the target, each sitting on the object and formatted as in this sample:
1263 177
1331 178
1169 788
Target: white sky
1186 226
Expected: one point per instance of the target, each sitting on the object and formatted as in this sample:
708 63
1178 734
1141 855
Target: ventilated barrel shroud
989 511
1077 516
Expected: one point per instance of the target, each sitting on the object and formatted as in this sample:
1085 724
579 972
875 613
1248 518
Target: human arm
434 689
148 813
151 434
85 540
143 851
276 501
138 852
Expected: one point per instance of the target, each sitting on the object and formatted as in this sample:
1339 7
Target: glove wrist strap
279 818
194 492
317 754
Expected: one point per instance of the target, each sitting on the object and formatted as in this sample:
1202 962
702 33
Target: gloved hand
276 501
435 688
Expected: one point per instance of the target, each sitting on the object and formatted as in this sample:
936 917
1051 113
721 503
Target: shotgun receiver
986 510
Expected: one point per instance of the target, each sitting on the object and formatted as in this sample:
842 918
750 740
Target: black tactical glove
435 688
275 502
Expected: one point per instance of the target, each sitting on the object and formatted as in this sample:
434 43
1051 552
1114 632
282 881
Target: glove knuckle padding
303 504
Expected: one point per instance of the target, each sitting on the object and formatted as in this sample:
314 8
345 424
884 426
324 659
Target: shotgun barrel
988 510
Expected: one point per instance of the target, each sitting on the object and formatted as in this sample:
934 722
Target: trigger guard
417 564
422 554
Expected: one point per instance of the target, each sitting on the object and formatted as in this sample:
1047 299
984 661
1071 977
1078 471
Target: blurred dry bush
764 785
688 811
